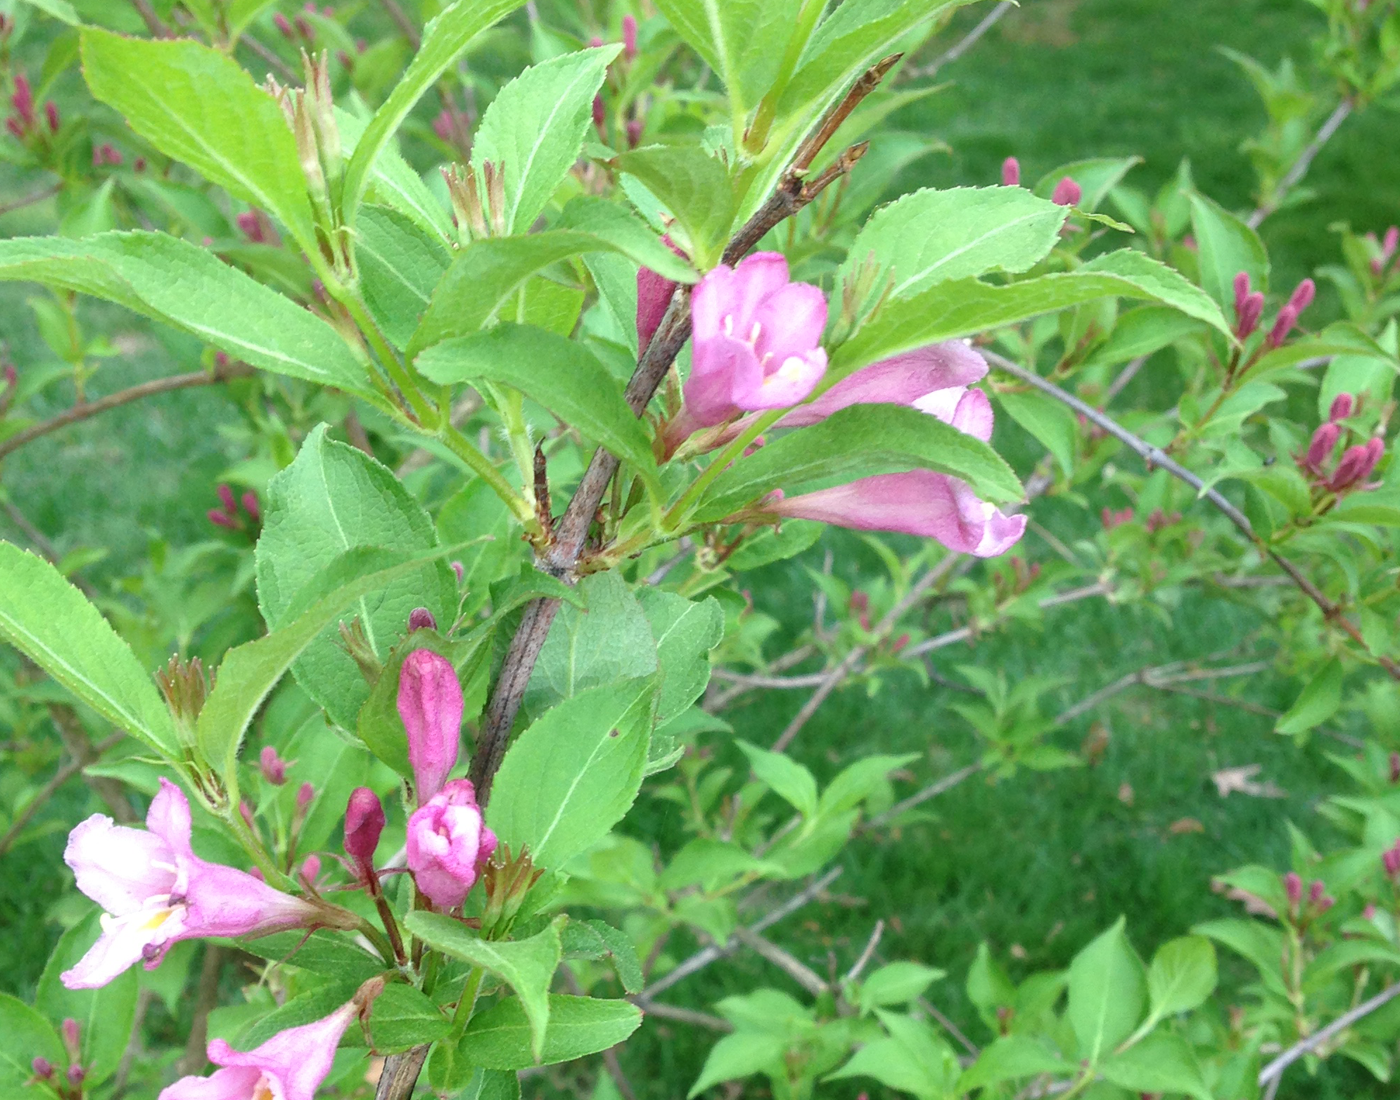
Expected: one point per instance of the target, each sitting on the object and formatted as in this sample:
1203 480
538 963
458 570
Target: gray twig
1300 166
1274 1070
963 45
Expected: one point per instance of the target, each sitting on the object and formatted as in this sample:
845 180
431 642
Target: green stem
254 847
466 1004
484 469
679 511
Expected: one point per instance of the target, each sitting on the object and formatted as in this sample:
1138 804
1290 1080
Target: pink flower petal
295 1061
236 1083
901 380
720 368
790 383
117 866
790 322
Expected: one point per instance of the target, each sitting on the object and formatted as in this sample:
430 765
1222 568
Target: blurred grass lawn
1037 864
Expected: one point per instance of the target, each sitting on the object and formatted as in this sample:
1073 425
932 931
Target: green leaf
400 265
500 1037
573 774
444 38
605 640
323 952
561 374
741 1055
52 623
1318 701
527 966
334 498
1107 993
1182 975
486 275
596 939
930 237
188 287
1096 177
693 186
742 40
535 128
626 234
1052 424
967 307
27 1036
1142 331
913 1059
684 631
1260 943
392 182
1226 246
104 1015
788 779
1156 280
59 9
1160 1063
857 442
403 1018
249 672
856 782
199 106
896 983
1010 1058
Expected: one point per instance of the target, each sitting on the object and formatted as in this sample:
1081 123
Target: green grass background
1039 863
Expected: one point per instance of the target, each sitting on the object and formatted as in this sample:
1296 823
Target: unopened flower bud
1390 242
1293 886
42 1067
1342 406
283 25
1357 463
139 164
595 41
420 618
226 495
220 518
272 766
1325 903
23 101
634 132
430 704
1320 449
364 821
304 28
1315 890
251 506
76 1074
442 125
311 868
305 793
1395 767
1067 193
629 36
1283 325
459 569
1241 290
600 115
245 811
1010 172
1369 913
1251 309
1390 860
1303 295
72 1038
51 113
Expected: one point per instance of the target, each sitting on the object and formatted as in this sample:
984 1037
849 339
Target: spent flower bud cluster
507 879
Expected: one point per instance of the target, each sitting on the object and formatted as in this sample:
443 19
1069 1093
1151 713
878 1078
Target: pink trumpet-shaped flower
448 844
756 340
155 891
430 704
289 1066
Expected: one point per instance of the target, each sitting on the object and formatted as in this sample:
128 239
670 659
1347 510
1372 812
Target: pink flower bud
1391 242
229 501
1283 325
1342 406
11 375
311 868
1356 464
1303 295
1293 886
76 1074
1067 193
72 1037
459 569
245 811
42 1067
251 225
23 101
220 518
251 506
1369 913
629 36
305 793
1325 903
1315 891
1249 313
364 821
51 113
634 132
1395 767
442 125
1390 860
112 155
139 164
595 41
420 618
1010 172
1241 290
430 704
272 766
600 113
304 28
1320 449
449 844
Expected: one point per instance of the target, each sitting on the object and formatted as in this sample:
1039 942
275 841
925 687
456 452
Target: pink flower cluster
1357 462
23 123
756 346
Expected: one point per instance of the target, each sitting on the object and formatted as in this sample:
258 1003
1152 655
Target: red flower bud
1320 449
1395 767
1067 193
1293 886
311 868
220 518
229 500
1241 290
251 506
1303 295
42 1067
1342 406
1010 172
600 115
282 24
1357 463
1283 325
1315 891
364 821
629 36
420 618
51 113
272 766
305 793
23 101
1391 242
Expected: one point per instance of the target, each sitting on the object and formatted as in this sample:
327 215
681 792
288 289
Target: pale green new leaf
1317 702
1226 246
788 779
500 1037
742 40
561 374
527 966
694 186
571 776
400 265
930 237
1182 975
444 38
27 1036
188 287
199 106
1107 993
54 625
534 129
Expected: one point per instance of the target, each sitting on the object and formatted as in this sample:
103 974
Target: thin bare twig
1155 456
793 967
614 1068
403 22
863 960
963 45
113 400
270 58
1274 1070
65 773
31 199
687 1016
948 1026
1300 166
153 22
933 790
